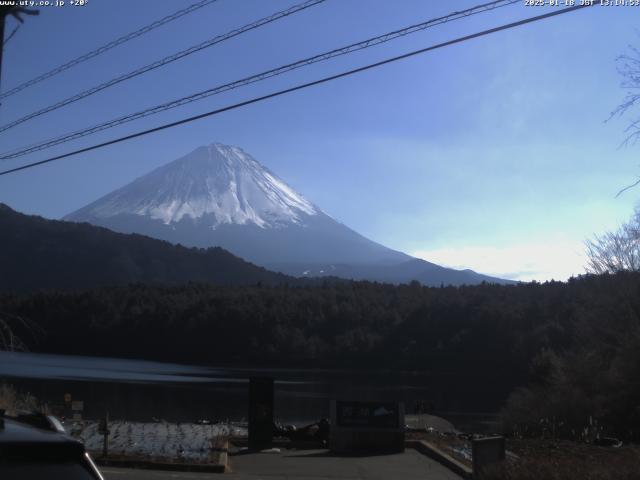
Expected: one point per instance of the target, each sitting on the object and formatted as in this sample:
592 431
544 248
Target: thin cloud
552 260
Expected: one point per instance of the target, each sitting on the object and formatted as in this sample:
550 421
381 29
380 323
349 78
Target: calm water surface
141 390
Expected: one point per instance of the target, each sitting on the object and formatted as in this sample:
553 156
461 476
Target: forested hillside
39 253
581 337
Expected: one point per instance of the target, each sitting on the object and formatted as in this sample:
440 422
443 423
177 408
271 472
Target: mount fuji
219 195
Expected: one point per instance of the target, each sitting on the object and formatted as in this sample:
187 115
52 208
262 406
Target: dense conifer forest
570 350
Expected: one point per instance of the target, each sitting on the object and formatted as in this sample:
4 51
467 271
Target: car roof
21 441
18 432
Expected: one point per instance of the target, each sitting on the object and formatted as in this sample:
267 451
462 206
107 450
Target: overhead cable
368 43
302 86
107 47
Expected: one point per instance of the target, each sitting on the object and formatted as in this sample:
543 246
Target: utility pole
15 12
3 14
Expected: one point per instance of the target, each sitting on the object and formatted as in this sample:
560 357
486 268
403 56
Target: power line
165 61
304 85
10 36
259 77
108 46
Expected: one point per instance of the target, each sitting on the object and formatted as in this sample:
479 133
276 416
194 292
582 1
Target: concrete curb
223 455
279 443
441 457
219 466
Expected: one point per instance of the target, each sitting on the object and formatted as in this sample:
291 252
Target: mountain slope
220 183
40 253
219 195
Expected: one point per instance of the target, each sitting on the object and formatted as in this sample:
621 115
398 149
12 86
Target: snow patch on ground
156 440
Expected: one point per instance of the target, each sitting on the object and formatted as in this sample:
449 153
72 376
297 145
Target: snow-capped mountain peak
220 196
217 184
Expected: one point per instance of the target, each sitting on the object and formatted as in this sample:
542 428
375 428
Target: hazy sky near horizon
493 154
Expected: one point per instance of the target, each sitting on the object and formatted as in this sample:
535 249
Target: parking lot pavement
307 465
319 465
139 474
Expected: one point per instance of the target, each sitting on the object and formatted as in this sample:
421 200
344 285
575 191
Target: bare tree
628 66
629 70
616 251
8 339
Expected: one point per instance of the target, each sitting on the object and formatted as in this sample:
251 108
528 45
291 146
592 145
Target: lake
140 390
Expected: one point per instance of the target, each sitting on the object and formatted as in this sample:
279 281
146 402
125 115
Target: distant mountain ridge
36 253
219 195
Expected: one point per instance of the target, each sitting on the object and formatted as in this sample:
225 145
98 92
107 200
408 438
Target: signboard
77 417
371 427
77 405
67 398
260 413
367 414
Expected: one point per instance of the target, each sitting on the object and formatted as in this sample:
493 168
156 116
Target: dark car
35 447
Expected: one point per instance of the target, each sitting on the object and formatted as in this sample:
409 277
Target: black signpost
260 413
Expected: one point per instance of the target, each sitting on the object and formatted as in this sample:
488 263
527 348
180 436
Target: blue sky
493 154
